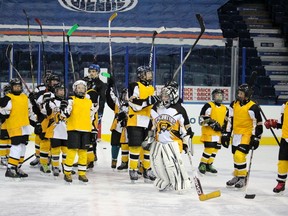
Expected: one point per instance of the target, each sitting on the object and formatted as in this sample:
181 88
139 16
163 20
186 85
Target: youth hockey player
56 131
5 141
15 111
120 108
212 118
172 133
79 111
141 99
245 122
282 123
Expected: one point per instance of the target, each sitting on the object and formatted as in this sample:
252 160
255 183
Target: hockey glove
46 97
121 116
214 125
149 140
152 99
63 104
225 139
187 144
38 128
271 123
254 142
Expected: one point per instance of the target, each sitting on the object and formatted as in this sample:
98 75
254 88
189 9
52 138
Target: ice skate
123 166
83 178
11 173
241 183
35 162
113 163
21 173
4 161
68 178
133 175
44 168
202 168
210 169
90 166
280 187
56 171
148 175
232 182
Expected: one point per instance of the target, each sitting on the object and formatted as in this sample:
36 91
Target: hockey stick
69 33
202 27
251 85
43 47
8 50
26 159
30 49
202 196
155 33
249 196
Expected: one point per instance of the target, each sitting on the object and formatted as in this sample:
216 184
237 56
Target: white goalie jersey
169 123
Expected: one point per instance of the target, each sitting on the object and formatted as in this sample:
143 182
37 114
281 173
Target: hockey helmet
59 91
79 88
94 67
142 73
217 95
246 89
16 82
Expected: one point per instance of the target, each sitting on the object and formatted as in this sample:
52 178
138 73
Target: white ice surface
111 193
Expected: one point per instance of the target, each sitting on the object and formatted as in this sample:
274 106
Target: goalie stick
202 27
30 49
198 187
69 33
155 33
43 47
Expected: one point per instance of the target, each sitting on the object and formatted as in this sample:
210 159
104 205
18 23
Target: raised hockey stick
202 27
69 33
30 49
111 18
8 50
43 47
249 196
155 33
199 190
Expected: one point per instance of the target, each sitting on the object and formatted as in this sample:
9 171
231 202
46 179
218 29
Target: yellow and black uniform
246 123
79 113
15 111
138 121
212 118
5 144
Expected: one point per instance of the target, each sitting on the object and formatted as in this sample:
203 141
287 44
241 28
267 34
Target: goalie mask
169 95
217 96
16 86
144 73
80 88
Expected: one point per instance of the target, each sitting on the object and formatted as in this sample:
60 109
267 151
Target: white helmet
76 91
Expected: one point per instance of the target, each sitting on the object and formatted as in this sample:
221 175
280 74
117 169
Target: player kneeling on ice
170 134
282 123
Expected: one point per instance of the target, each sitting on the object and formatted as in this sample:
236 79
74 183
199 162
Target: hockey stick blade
202 30
250 196
112 17
214 194
72 29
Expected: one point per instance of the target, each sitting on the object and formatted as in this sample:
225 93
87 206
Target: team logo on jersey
165 122
98 6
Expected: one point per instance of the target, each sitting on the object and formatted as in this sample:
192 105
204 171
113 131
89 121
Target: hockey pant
168 167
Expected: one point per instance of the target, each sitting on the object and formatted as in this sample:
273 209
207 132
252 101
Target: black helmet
14 82
50 78
246 89
217 91
58 87
141 72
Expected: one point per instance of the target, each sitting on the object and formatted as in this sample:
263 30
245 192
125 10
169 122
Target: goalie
171 133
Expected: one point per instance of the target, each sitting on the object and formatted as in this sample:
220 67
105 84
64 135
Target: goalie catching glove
149 140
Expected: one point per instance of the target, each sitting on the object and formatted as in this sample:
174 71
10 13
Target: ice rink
110 192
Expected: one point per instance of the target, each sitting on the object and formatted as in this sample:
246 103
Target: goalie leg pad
162 181
174 166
